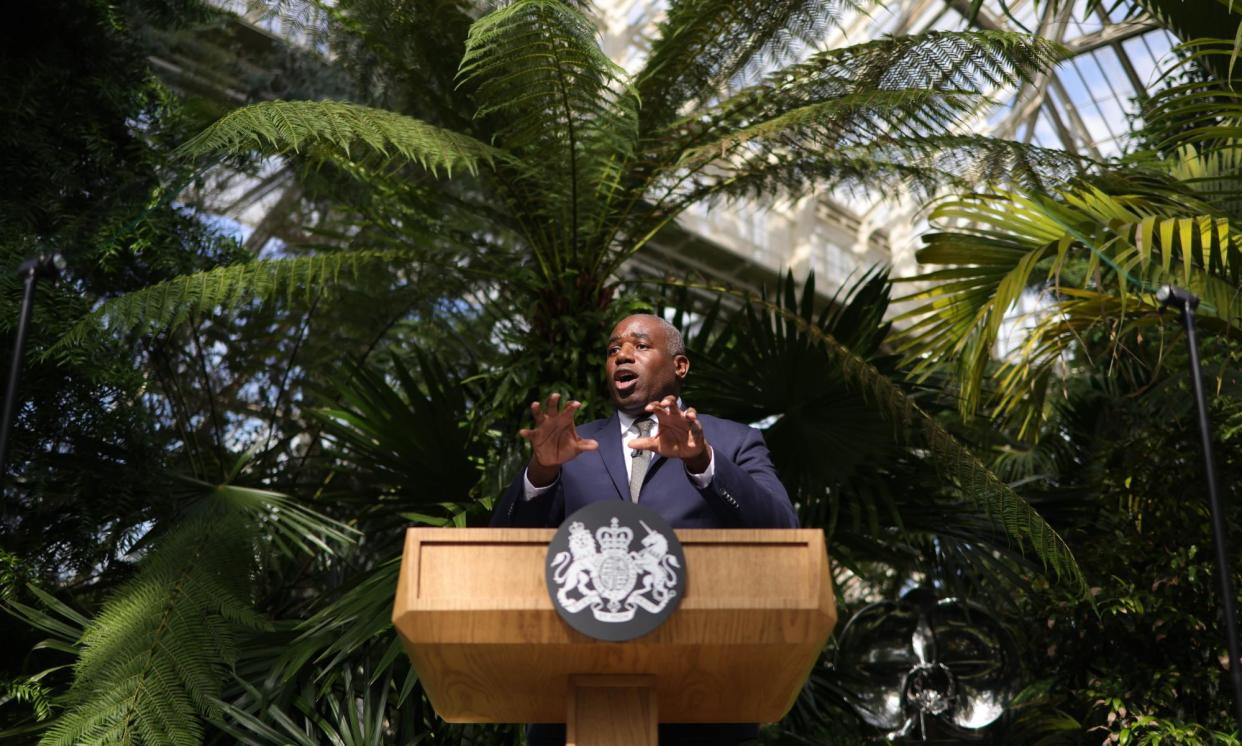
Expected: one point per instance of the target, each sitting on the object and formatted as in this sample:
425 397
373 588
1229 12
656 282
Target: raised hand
680 435
554 439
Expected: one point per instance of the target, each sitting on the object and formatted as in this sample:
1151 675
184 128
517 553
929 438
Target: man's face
640 369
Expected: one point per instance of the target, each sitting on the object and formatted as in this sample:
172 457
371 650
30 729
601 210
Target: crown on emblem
614 537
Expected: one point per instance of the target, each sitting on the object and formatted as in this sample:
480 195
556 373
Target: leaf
286 127
173 302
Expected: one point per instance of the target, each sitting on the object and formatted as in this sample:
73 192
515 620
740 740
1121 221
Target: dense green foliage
1096 403
222 441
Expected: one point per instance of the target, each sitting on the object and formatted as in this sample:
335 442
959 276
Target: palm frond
1212 173
357 713
407 438
1096 257
65 625
1198 102
348 129
171 303
753 366
343 629
366 702
1191 21
289 526
56 618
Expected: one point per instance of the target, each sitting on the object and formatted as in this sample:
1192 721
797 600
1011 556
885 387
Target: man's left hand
680 435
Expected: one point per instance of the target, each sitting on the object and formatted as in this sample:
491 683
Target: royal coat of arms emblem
625 590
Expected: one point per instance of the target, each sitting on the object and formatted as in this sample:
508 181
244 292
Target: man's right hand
554 440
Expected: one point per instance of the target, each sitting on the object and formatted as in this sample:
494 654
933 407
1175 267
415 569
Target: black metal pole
31 272
1186 302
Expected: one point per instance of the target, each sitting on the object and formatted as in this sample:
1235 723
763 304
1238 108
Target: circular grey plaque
615 570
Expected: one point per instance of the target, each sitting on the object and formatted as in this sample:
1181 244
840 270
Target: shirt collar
627 421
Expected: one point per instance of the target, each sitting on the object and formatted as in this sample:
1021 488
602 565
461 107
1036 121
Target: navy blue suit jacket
744 493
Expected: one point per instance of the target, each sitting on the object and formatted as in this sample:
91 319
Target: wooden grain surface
612 711
474 614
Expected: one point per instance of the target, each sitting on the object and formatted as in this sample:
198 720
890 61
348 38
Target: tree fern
170 303
350 129
964 63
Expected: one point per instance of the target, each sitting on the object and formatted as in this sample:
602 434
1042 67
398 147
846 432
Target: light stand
1186 302
47 266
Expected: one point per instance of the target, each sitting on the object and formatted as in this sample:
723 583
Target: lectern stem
608 710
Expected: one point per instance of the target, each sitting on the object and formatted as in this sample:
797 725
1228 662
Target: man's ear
681 366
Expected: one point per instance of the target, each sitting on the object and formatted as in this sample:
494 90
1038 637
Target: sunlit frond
349 129
172 302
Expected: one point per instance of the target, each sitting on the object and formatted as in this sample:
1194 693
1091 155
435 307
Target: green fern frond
299 126
850 119
921 166
170 303
29 691
704 47
888 108
968 65
537 65
556 100
152 660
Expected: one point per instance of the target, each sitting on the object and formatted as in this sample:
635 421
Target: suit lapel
609 437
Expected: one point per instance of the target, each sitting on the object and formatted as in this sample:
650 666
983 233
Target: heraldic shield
615 570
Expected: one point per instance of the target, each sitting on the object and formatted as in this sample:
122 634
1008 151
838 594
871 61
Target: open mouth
624 382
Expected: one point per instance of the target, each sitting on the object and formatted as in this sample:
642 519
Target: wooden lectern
473 611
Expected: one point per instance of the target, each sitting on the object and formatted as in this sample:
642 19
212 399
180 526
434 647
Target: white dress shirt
629 432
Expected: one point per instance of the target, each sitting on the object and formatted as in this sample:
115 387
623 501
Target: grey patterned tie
639 460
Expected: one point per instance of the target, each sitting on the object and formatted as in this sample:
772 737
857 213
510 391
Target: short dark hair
676 344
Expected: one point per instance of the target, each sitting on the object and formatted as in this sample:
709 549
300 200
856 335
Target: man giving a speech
695 470
725 478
